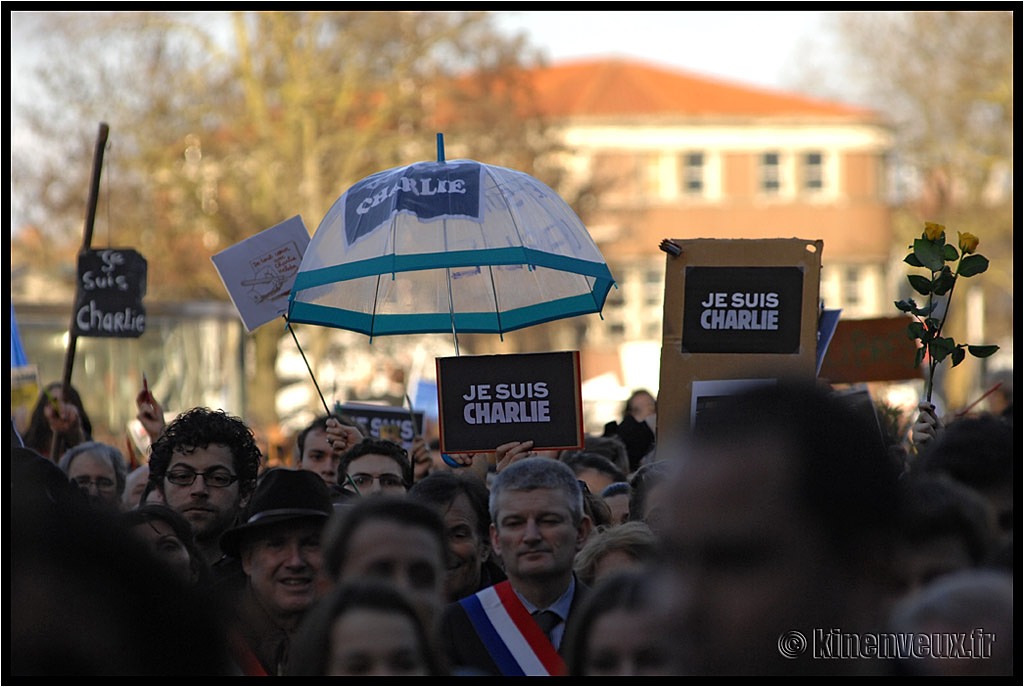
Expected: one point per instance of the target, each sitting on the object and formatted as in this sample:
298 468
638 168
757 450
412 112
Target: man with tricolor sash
515 627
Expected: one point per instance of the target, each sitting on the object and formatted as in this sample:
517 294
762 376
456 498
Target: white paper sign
259 271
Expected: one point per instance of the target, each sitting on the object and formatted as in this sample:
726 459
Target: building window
771 175
693 174
851 287
633 311
814 177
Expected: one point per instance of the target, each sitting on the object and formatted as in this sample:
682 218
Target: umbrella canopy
448 246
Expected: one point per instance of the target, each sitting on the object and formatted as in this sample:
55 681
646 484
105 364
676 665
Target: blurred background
853 128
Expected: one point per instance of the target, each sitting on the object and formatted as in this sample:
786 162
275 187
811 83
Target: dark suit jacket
465 653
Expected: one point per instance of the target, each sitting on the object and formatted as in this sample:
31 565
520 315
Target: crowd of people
783 540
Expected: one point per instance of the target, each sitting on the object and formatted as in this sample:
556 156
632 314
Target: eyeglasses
387 481
186 477
102 483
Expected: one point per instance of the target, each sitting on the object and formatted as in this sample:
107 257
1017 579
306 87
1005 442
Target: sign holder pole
90 217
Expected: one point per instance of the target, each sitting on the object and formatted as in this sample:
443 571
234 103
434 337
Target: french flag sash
515 642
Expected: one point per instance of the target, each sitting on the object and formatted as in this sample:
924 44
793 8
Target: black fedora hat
281 495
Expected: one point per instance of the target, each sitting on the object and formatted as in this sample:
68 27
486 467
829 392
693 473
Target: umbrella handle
311 375
440 147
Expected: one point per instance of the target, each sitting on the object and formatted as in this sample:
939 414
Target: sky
755 48
761 49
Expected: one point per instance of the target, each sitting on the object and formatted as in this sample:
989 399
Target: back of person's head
976 604
37 482
200 427
107 453
844 478
617 496
317 652
538 473
440 489
611 447
382 447
615 489
581 461
944 523
345 522
976 450
979 451
87 600
632 539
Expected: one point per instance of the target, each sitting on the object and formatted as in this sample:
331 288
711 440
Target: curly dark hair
383 447
200 427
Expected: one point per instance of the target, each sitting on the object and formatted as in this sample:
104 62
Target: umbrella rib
490 269
497 308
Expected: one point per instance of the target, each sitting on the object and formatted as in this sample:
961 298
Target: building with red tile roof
663 153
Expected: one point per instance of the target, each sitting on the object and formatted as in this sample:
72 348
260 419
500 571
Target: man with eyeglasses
97 469
205 465
376 466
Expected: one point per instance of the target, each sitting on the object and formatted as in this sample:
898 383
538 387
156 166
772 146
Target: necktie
547 620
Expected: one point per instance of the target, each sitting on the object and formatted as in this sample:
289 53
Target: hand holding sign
342 437
513 451
63 419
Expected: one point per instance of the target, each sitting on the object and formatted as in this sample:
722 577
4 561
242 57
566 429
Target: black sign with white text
742 310
108 300
488 400
393 423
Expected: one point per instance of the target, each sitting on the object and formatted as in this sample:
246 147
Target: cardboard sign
25 390
871 350
735 310
488 400
108 298
394 423
259 272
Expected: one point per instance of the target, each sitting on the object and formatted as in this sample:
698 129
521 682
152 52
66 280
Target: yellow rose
933 231
968 242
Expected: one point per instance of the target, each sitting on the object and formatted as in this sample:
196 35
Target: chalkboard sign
108 299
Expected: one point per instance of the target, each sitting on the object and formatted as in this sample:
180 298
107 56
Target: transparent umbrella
448 246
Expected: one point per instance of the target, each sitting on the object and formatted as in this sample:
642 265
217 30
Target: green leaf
941 347
915 330
950 253
982 351
958 355
919 357
912 260
944 282
929 254
921 284
926 309
972 265
906 305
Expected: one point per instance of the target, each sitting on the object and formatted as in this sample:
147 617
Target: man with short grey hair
515 627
